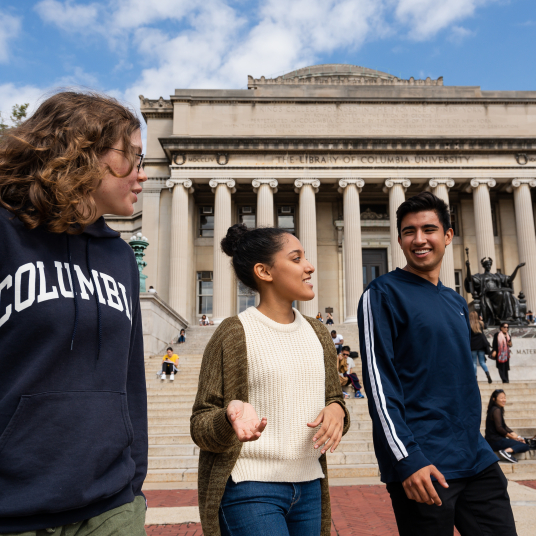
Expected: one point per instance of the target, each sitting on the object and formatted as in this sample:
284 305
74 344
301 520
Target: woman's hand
245 422
330 433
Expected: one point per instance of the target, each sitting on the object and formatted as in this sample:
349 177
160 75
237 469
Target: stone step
170 439
165 427
522 470
171 475
173 450
173 462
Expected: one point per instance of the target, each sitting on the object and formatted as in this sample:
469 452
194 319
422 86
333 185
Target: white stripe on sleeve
398 448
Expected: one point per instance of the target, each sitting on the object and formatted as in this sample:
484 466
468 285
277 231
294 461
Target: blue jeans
271 509
481 356
508 443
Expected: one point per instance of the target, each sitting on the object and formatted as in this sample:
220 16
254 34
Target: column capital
230 183
298 183
344 182
389 183
436 181
516 183
257 183
187 183
488 181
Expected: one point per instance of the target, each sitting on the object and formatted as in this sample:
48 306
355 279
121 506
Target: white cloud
9 29
426 18
459 33
217 43
71 17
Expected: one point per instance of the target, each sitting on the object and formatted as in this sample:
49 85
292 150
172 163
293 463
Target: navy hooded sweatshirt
73 405
418 374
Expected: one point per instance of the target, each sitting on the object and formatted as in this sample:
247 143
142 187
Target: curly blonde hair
50 164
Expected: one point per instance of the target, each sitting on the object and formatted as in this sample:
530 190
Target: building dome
335 70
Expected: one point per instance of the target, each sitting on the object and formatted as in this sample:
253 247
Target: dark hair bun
235 234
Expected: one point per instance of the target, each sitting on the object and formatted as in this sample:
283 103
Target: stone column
150 227
223 274
526 237
265 190
353 259
440 188
397 189
307 188
178 251
485 243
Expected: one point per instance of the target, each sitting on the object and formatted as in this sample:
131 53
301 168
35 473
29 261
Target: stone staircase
173 456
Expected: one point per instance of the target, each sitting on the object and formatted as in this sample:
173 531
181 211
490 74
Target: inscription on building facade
350 160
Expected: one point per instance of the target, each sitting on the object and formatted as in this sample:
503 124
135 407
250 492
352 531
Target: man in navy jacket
422 393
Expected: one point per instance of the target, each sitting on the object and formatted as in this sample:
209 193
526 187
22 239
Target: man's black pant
476 506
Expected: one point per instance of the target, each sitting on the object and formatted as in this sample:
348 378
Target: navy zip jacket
73 404
419 378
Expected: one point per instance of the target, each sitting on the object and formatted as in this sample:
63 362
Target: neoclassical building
329 152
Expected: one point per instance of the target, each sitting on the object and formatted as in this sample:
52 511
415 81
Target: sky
128 48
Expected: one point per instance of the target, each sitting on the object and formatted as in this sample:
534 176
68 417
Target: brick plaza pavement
356 510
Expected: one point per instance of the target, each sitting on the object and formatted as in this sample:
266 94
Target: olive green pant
127 520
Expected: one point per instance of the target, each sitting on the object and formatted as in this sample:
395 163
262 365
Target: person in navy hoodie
73 404
422 392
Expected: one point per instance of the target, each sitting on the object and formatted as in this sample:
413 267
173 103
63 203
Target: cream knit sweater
286 382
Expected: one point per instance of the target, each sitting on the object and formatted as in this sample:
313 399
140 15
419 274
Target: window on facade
206 221
454 219
494 220
204 293
246 297
458 275
285 219
246 215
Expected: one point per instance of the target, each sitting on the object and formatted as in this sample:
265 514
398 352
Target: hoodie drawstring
71 273
99 325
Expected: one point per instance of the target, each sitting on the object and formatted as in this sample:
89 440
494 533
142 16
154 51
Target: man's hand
419 487
330 433
245 422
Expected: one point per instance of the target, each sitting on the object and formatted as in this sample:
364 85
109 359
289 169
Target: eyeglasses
140 156
505 327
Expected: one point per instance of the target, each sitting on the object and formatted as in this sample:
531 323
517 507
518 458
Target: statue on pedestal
493 295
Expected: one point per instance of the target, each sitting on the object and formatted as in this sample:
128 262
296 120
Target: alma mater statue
493 295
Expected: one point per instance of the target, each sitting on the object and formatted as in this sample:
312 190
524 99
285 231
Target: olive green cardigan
223 378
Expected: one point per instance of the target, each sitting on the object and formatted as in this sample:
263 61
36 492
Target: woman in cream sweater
263 431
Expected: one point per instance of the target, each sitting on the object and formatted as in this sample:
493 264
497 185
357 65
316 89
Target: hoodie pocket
62 451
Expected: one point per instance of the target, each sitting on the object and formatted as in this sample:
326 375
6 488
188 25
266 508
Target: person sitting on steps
182 337
169 364
502 439
346 364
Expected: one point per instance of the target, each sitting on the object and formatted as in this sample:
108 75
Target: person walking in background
502 439
479 343
182 337
74 431
422 393
267 475
329 319
500 351
169 364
